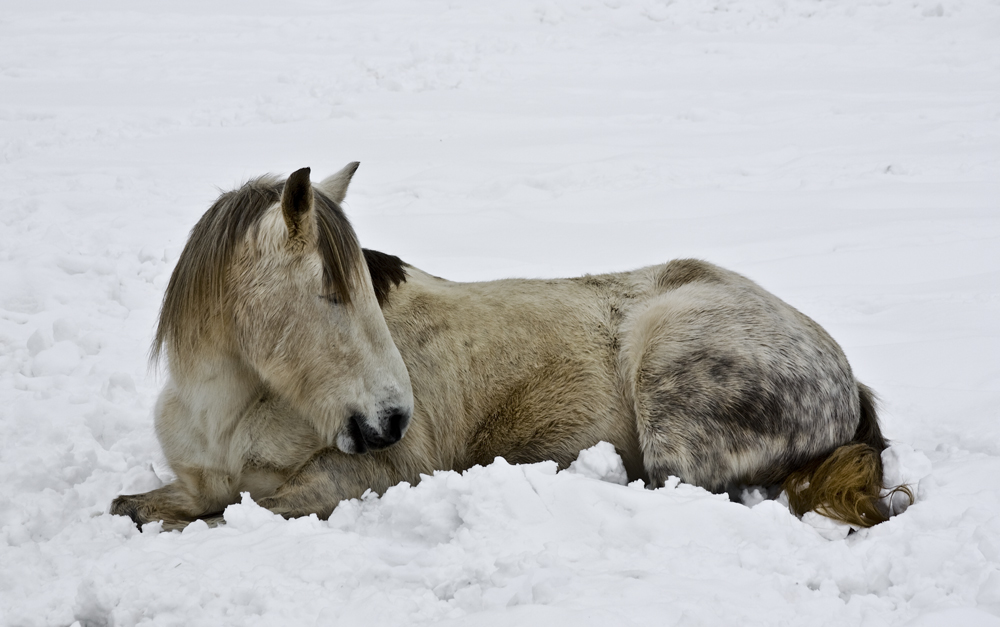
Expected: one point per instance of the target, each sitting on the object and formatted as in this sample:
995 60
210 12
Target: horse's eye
333 299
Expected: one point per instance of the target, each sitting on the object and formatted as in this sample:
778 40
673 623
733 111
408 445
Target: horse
306 370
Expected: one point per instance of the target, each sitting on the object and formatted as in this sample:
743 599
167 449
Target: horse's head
295 304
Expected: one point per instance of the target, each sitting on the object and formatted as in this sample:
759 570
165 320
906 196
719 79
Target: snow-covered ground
846 155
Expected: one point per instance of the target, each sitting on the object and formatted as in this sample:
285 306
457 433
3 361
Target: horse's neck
461 342
213 393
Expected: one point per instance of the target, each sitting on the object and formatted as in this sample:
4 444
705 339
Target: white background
846 155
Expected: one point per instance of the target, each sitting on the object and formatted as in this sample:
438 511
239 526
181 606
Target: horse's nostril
396 424
357 433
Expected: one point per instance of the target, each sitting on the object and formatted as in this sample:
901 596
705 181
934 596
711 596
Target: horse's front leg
180 503
329 477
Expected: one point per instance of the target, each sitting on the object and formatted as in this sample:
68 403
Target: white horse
306 370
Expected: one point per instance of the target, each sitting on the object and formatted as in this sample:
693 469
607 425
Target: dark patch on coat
736 391
607 284
721 405
683 271
387 272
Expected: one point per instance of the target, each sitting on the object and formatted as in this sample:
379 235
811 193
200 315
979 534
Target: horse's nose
393 423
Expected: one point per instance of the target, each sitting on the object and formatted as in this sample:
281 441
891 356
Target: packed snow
845 155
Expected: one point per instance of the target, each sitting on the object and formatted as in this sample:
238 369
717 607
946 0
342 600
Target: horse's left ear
297 202
335 185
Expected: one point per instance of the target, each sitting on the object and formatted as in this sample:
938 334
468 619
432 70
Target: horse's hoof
127 505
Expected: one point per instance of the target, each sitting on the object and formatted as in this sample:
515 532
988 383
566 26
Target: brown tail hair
846 485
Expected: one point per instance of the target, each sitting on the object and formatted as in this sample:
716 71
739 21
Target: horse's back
729 383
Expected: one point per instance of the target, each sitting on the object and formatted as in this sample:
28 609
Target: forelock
197 292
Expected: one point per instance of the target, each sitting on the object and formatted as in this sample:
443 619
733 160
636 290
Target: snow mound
600 462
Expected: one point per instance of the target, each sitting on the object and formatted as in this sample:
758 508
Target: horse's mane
196 292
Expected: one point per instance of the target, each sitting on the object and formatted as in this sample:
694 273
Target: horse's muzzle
364 438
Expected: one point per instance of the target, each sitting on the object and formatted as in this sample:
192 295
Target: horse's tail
846 485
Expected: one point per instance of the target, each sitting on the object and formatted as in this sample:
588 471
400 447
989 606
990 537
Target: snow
846 155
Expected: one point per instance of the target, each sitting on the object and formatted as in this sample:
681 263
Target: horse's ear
297 202
335 185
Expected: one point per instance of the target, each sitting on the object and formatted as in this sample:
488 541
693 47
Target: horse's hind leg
724 395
